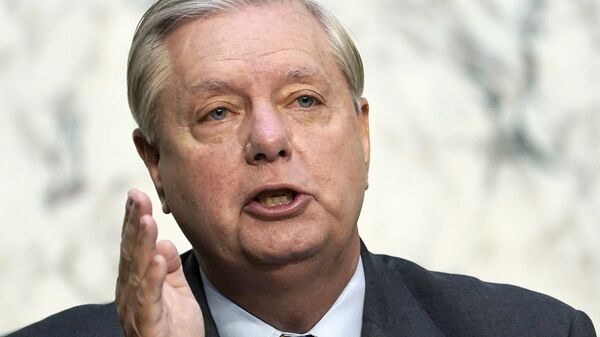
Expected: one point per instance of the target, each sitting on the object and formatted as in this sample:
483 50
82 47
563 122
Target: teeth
276 200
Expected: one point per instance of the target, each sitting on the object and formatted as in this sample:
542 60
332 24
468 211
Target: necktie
286 335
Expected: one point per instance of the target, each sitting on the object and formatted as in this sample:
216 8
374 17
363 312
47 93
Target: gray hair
149 63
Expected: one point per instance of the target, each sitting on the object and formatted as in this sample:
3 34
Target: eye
306 101
218 114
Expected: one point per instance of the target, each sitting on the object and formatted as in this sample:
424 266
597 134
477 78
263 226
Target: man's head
263 146
149 63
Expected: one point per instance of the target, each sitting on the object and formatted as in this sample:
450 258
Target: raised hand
152 295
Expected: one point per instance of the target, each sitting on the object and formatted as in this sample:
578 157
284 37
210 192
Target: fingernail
130 198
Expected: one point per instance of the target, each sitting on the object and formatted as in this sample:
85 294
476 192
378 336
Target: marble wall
485 121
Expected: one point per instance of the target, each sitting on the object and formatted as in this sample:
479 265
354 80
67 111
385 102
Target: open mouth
275 198
275 203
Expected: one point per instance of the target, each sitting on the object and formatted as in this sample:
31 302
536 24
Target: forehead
261 39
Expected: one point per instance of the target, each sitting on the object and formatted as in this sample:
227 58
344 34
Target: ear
363 121
150 155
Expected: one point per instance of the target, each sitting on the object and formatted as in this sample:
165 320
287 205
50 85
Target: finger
175 276
136 203
148 297
139 205
125 248
168 250
128 205
144 249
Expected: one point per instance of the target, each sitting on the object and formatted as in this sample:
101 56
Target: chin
279 252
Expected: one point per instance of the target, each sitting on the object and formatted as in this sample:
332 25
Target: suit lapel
192 274
390 309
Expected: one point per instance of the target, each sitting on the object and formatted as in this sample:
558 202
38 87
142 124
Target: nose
268 139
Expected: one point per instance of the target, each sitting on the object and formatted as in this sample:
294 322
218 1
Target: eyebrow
211 85
302 74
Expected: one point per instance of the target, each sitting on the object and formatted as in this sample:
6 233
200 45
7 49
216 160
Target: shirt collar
344 318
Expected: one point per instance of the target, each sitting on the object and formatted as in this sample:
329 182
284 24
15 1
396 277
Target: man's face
263 158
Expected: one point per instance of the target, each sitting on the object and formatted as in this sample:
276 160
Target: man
255 134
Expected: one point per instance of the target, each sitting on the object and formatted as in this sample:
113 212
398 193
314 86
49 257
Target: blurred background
485 126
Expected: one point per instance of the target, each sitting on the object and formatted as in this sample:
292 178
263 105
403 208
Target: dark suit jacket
402 299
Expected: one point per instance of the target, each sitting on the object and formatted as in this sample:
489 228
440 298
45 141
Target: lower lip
280 212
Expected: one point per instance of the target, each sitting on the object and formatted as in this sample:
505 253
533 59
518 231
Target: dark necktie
286 335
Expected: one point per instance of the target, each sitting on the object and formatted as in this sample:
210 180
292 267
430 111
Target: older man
255 134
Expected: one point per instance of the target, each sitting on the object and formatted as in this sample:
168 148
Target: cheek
341 152
200 185
336 161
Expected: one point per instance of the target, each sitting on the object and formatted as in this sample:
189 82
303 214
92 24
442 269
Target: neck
293 297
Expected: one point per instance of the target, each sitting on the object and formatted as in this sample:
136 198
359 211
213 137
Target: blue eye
306 101
218 114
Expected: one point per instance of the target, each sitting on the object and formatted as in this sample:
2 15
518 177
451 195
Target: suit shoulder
455 301
425 284
91 320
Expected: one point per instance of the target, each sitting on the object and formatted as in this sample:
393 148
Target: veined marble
485 126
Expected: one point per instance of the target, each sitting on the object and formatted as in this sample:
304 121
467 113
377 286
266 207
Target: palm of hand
182 315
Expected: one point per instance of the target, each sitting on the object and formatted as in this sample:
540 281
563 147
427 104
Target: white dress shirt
344 318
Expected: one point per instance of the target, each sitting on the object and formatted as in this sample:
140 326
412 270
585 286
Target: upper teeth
276 200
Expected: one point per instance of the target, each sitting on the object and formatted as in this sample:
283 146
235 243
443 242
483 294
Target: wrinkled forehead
279 33
282 23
